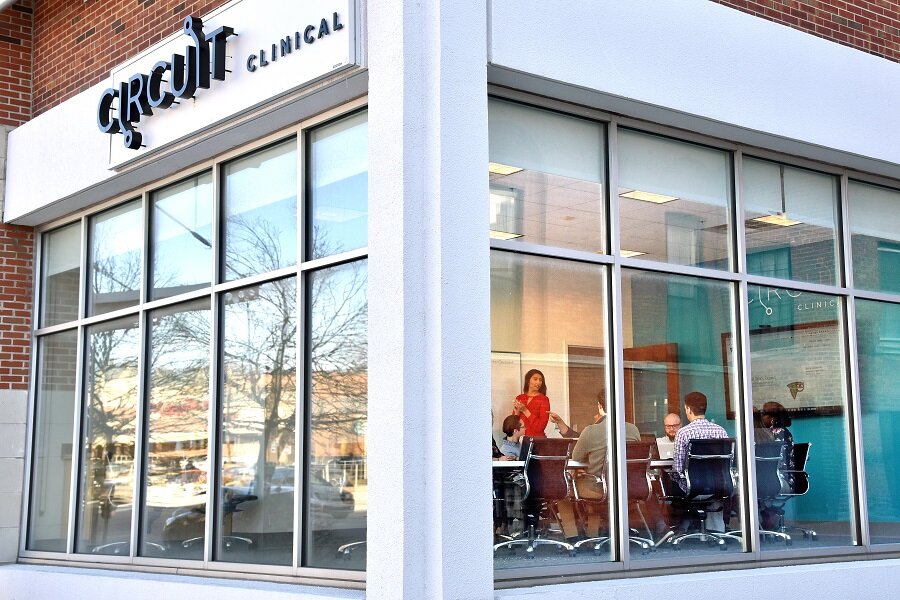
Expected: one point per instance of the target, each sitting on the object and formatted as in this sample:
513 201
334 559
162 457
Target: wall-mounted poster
794 366
506 384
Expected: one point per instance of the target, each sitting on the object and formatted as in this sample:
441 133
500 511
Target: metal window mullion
618 495
856 455
141 431
213 422
300 393
740 375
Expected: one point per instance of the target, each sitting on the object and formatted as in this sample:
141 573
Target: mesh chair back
800 478
637 464
768 481
708 469
545 468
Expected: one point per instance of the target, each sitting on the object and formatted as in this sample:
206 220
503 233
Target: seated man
698 428
666 444
591 449
513 429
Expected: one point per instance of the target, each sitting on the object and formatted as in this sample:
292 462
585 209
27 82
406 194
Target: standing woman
533 405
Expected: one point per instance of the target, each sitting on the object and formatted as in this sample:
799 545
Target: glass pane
797 371
337 480
61 271
174 512
547 172
181 237
791 223
549 369
673 201
117 237
48 517
339 186
878 340
260 211
875 235
107 464
677 370
259 404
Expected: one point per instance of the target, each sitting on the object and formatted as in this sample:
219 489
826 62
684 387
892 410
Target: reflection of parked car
249 512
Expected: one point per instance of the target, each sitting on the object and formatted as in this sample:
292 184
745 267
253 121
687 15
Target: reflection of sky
340 185
339 317
116 248
261 202
182 233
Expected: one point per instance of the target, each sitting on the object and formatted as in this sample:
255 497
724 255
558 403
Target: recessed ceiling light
630 253
777 219
501 169
504 235
648 197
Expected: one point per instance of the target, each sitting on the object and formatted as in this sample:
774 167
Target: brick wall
78 43
16 270
15 64
872 26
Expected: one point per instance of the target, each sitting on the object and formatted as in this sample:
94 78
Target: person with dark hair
533 405
776 420
513 429
591 449
698 428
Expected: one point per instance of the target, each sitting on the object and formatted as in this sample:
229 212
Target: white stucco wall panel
705 59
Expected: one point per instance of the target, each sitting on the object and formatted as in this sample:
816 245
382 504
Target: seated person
665 444
590 449
513 429
698 428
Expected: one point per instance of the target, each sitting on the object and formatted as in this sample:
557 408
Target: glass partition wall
721 355
205 403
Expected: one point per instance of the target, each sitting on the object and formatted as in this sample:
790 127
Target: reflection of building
677 193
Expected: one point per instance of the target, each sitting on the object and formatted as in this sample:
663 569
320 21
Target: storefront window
337 480
673 201
799 386
259 410
177 446
678 336
548 320
790 221
182 241
195 440
107 453
547 173
116 259
878 340
875 236
339 187
61 274
48 522
260 212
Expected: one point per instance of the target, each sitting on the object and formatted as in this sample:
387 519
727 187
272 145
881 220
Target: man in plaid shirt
698 428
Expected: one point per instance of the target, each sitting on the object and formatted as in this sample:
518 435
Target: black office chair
797 485
546 483
769 484
710 482
637 470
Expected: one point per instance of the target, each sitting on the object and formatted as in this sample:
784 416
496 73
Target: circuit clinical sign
169 78
143 92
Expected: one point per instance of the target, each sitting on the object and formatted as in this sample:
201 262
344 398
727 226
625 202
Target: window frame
142 311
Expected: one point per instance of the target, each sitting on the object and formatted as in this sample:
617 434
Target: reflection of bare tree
113 390
113 272
255 245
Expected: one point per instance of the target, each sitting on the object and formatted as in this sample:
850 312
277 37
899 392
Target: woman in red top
533 406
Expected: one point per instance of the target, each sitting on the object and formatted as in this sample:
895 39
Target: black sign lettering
202 60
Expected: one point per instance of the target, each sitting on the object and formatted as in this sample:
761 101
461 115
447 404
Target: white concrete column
13 410
429 527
